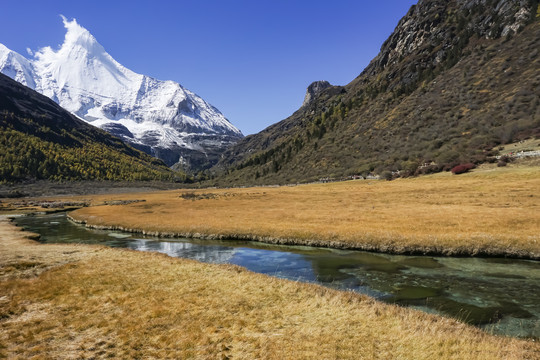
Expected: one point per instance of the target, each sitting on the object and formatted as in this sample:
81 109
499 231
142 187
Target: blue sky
252 59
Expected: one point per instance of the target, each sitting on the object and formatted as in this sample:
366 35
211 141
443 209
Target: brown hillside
454 80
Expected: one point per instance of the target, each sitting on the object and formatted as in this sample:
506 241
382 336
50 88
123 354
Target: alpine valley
439 266
158 117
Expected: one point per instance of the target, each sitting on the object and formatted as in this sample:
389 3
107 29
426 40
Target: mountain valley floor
81 301
154 306
492 211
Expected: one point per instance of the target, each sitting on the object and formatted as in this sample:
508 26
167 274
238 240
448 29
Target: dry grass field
491 211
88 302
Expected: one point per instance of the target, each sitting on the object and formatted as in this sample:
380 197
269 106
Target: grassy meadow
77 301
490 211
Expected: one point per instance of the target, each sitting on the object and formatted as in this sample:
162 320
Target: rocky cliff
314 89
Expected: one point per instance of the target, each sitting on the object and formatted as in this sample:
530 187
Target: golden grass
489 211
95 302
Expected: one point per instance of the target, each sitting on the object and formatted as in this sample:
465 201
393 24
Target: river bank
385 246
497 295
151 305
490 212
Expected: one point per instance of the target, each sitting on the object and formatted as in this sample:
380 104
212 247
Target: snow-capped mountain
159 117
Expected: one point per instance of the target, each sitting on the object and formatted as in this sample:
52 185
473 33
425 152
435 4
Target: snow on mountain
159 117
17 67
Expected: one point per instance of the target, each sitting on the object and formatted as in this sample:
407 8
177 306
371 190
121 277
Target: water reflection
214 254
498 294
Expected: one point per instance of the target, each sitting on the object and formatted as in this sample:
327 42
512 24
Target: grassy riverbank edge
155 306
491 212
387 246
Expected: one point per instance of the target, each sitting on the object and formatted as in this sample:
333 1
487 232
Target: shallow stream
500 295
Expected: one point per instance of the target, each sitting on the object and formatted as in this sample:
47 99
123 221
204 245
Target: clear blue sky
252 59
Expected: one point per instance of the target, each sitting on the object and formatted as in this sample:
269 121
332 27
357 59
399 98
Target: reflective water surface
499 295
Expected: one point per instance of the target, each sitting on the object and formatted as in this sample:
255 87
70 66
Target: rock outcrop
314 89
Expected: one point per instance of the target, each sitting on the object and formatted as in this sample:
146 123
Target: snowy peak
76 35
84 70
160 117
17 67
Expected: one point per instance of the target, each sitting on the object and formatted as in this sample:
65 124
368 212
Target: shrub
431 169
462 168
387 175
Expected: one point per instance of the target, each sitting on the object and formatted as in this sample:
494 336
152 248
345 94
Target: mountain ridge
446 87
160 117
41 140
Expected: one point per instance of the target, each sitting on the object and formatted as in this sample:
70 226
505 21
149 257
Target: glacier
159 117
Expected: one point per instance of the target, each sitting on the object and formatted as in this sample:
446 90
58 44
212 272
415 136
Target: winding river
499 295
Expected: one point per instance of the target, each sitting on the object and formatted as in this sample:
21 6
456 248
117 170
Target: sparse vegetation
197 196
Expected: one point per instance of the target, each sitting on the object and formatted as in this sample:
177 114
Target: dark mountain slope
455 79
40 140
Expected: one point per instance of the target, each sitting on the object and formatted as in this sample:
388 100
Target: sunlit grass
94 302
490 211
